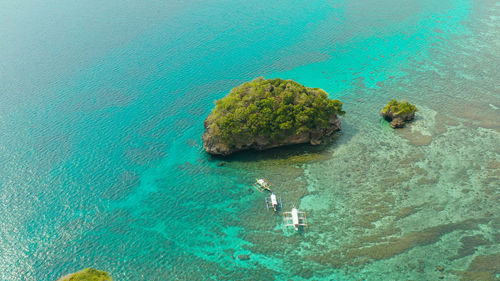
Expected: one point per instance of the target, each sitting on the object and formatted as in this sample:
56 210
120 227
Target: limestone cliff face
397 121
215 146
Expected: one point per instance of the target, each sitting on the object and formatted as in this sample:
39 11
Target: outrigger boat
262 185
295 218
273 202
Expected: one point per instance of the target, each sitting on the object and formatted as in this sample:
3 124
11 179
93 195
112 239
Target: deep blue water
101 115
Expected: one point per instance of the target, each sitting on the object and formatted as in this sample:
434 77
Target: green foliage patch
91 274
272 108
399 108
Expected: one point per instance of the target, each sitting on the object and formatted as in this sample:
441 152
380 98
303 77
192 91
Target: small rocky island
263 114
398 113
89 274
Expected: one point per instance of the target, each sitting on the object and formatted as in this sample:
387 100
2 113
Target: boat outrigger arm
262 184
295 218
273 202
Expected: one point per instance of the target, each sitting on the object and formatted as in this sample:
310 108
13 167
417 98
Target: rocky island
398 113
267 113
88 274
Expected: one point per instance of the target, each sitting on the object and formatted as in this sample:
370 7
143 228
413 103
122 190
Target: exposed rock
398 113
398 122
216 146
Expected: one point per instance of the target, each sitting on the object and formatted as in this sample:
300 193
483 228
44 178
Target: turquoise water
101 115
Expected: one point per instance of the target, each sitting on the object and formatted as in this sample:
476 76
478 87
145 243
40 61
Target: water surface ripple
101 112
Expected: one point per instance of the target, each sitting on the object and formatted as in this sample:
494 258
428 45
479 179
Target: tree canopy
90 274
272 108
399 108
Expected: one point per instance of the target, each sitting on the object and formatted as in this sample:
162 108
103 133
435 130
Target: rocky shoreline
216 146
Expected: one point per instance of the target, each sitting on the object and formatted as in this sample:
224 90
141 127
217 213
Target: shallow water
101 116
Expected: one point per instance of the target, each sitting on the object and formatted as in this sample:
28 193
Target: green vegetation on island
398 112
399 108
89 274
274 109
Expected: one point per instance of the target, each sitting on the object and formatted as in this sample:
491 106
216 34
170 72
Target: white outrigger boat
295 218
274 202
262 185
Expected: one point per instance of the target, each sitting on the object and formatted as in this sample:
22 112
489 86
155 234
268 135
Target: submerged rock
263 114
88 274
243 257
398 113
